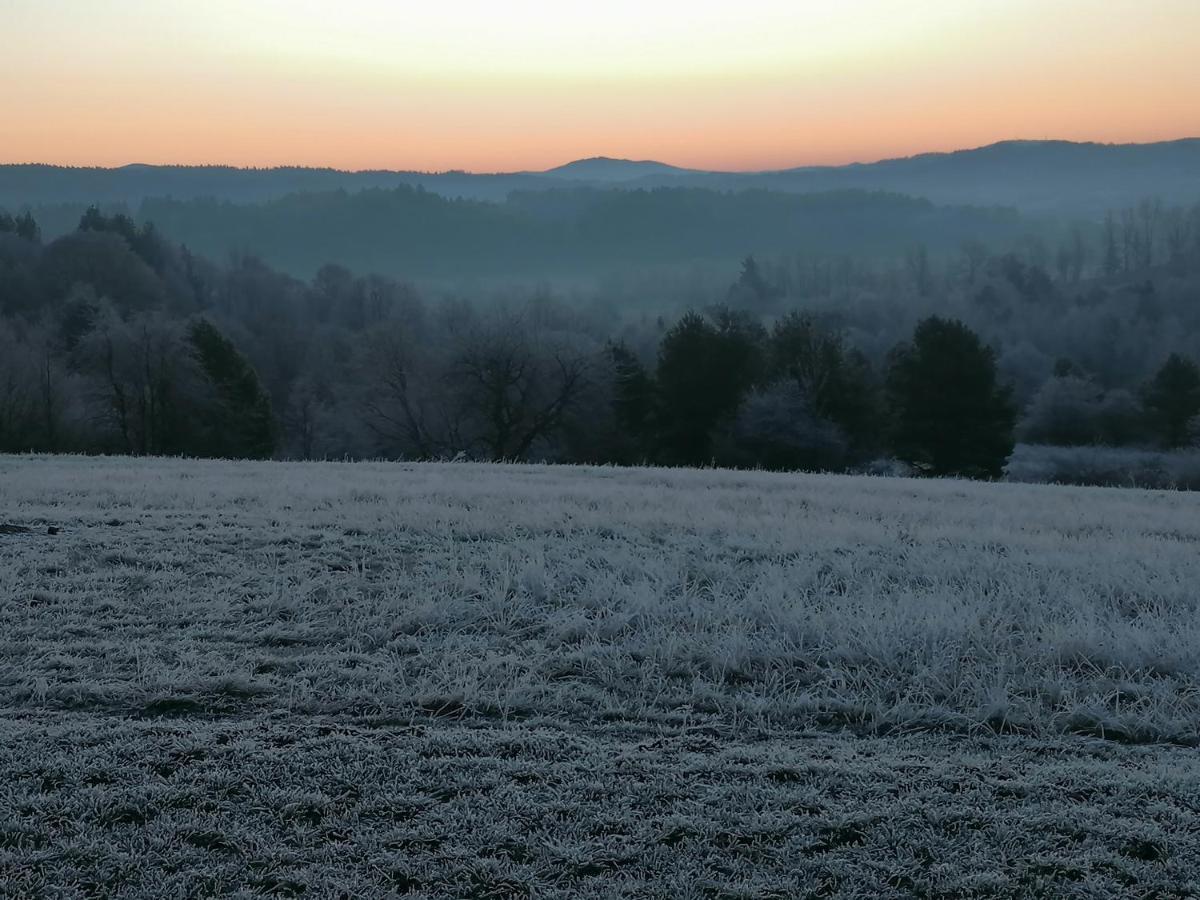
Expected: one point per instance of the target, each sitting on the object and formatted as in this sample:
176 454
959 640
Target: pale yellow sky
491 86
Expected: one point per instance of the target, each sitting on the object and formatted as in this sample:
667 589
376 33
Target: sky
509 85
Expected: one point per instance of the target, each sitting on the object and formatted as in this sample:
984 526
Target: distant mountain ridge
1034 176
605 168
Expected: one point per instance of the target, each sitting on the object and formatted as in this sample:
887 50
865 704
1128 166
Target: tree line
114 339
566 233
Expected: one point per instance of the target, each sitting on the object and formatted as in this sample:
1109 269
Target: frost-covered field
464 680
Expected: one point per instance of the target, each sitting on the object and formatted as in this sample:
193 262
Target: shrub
1105 466
776 428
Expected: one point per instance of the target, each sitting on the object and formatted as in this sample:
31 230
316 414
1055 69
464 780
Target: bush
1105 467
1072 410
776 428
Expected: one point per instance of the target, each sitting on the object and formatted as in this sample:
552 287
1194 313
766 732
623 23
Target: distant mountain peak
607 168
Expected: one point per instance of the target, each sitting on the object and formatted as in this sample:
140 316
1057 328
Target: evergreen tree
93 220
142 241
240 424
951 417
633 398
1173 396
704 369
835 379
27 228
751 289
1111 263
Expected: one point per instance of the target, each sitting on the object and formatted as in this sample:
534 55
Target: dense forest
114 338
565 234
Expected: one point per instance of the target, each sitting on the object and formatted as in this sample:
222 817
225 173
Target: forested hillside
568 233
114 338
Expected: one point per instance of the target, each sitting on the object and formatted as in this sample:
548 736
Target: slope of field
468 680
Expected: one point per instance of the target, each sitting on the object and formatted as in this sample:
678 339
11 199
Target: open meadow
454 680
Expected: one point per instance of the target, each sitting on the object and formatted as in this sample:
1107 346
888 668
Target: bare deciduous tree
407 405
514 384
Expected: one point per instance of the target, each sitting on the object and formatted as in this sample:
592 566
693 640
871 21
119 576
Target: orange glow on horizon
779 85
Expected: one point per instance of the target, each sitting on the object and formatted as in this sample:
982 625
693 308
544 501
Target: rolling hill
1038 176
617 171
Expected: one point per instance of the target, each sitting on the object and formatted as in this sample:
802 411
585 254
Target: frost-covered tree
405 399
777 427
1064 411
513 384
143 384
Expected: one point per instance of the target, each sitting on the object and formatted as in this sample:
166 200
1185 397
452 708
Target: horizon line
601 158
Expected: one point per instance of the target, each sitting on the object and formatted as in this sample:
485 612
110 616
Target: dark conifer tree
704 370
834 379
26 227
633 399
752 289
240 424
1173 397
951 416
